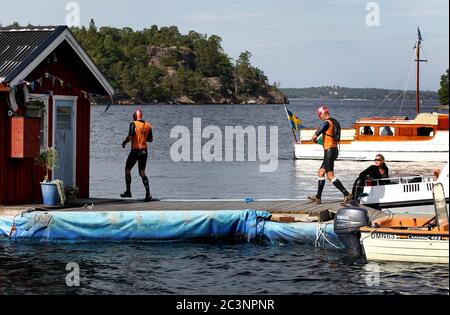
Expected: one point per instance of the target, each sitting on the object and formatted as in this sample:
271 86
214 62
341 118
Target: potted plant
34 109
52 191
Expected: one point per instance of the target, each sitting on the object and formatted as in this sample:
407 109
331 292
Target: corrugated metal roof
20 46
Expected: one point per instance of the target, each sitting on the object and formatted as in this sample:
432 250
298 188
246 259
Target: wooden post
418 45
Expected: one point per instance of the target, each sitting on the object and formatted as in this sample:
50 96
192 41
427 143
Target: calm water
183 268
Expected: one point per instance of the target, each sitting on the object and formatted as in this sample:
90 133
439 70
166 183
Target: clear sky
299 43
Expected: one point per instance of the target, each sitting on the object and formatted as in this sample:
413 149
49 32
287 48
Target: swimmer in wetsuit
140 132
331 153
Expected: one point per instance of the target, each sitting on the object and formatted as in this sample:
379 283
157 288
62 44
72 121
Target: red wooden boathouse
46 64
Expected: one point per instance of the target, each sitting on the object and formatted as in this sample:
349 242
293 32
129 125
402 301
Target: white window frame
383 129
74 124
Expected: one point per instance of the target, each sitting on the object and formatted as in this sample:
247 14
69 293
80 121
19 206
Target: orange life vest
142 129
329 140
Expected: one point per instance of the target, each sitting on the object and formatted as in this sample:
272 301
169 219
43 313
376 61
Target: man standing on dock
330 129
140 132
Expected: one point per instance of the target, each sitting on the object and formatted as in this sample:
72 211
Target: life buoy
12 98
12 101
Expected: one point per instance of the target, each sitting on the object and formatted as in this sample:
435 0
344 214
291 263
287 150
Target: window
387 131
366 131
43 133
425 132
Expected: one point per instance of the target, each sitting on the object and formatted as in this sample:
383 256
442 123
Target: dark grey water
224 268
234 180
217 269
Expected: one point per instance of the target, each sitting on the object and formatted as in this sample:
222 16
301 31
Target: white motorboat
404 194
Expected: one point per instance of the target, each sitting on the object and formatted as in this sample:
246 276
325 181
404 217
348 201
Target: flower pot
50 195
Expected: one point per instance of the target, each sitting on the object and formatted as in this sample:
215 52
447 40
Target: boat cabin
424 127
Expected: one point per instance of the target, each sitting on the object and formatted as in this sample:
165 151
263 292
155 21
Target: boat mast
418 61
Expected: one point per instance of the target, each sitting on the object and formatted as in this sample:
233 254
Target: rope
406 87
13 229
396 100
393 91
387 97
321 233
13 226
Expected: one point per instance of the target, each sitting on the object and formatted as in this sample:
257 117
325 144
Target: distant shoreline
360 94
291 98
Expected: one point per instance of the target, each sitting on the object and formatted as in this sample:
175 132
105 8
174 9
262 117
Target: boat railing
398 180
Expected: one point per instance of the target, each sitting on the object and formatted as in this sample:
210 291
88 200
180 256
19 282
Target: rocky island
161 65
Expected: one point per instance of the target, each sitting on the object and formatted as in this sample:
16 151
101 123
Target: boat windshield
440 206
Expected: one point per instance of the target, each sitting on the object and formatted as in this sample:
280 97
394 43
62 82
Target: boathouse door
64 135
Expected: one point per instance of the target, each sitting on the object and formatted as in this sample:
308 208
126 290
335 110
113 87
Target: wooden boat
410 238
424 138
406 194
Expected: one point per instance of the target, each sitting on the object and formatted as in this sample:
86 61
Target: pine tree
443 91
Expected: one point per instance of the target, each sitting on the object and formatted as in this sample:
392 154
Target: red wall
20 178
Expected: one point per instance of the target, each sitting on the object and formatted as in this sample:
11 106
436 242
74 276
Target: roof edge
60 34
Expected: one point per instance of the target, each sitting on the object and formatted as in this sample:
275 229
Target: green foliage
161 64
443 91
251 80
49 160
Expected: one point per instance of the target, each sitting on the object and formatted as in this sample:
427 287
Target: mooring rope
321 233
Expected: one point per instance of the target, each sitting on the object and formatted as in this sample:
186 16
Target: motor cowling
347 223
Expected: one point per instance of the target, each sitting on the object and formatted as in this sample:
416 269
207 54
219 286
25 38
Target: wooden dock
282 210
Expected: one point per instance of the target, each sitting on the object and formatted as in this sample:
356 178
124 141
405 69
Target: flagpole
293 131
295 136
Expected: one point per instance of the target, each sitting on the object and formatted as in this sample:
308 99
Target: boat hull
435 150
405 247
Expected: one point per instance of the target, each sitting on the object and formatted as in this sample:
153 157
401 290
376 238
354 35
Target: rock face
184 100
182 56
170 59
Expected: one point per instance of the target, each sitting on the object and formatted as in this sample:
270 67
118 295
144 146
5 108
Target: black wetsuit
330 155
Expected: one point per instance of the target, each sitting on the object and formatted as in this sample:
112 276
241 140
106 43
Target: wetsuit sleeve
131 131
386 170
150 136
325 125
370 172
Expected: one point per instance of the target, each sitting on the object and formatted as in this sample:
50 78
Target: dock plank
272 206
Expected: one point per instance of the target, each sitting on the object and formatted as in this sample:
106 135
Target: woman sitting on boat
376 172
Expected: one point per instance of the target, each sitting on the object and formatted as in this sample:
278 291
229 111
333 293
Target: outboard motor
346 225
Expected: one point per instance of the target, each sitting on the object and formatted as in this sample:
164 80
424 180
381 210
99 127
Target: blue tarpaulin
161 226
320 234
131 225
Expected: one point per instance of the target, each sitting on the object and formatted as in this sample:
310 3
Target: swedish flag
295 122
